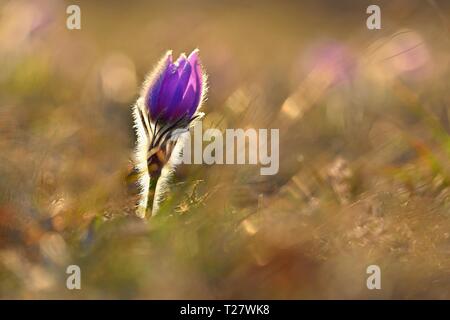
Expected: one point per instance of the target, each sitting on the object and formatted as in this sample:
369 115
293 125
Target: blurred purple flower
408 55
177 88
334 59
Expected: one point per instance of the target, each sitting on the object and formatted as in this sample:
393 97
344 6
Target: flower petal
193 96
153 94
189 101
168 87
175 106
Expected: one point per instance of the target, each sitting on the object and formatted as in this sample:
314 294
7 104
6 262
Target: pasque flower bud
170 100
176 90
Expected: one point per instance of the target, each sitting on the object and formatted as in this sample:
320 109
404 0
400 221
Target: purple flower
176 89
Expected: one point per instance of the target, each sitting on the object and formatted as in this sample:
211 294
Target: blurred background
364 151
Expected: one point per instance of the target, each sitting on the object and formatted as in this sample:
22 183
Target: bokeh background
364 151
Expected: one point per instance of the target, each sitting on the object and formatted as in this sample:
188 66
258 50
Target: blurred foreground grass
364 152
